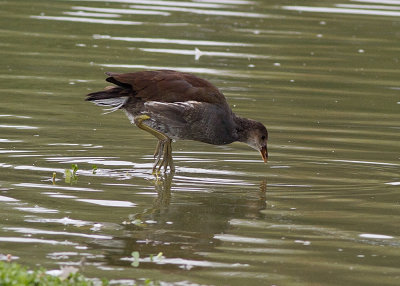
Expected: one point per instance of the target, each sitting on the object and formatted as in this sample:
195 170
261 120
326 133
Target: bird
173 105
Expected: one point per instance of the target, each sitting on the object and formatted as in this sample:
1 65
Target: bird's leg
158 153
167 156
163 148
170 161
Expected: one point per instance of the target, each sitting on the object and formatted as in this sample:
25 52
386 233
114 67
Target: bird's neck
242 128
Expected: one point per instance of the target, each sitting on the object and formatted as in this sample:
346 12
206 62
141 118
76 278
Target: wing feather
168 86
192 120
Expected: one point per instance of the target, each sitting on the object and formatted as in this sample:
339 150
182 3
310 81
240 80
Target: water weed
12 273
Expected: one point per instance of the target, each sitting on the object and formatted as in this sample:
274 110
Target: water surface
322 76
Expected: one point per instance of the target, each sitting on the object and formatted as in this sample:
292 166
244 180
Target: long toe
167 156
157 150
169 162
161 156
164 160
158 160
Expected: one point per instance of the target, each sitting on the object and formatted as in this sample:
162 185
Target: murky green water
322 76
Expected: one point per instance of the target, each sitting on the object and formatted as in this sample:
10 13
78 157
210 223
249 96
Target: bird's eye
263 137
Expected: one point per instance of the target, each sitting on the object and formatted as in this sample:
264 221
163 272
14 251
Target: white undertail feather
130 117
183 104
114 103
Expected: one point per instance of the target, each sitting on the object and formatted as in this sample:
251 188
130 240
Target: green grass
13 274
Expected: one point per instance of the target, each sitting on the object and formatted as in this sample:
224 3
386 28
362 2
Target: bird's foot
158 153
163 152
163 156
159 148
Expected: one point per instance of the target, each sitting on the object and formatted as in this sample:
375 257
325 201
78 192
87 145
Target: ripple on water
56 187
109 203
171 41
88 146
86 20
15 116
18 127
4 151
7 199
198 53
394 183
37 209
186 263
343 11
366 162
5 140
63 221
105 161
206 12
121 11
198 181
241 239
89 14
59 195
35 241
26 230
173 3
375 236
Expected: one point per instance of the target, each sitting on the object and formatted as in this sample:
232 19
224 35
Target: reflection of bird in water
172 105
183 224
263 193
162 185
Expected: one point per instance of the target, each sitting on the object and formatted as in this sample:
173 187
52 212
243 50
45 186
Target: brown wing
167 86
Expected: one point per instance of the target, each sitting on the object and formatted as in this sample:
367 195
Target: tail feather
107 93
114 98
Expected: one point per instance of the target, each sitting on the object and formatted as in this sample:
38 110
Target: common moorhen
173 105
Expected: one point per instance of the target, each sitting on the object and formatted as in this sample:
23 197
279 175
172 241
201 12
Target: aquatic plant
136 258
70 175
12 273
54 178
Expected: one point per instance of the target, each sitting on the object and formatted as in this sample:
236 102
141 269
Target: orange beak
264 153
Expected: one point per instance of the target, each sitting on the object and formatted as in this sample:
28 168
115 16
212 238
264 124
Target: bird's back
167 86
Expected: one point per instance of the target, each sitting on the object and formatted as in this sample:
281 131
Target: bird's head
257 137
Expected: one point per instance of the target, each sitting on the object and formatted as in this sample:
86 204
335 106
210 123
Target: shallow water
322 76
